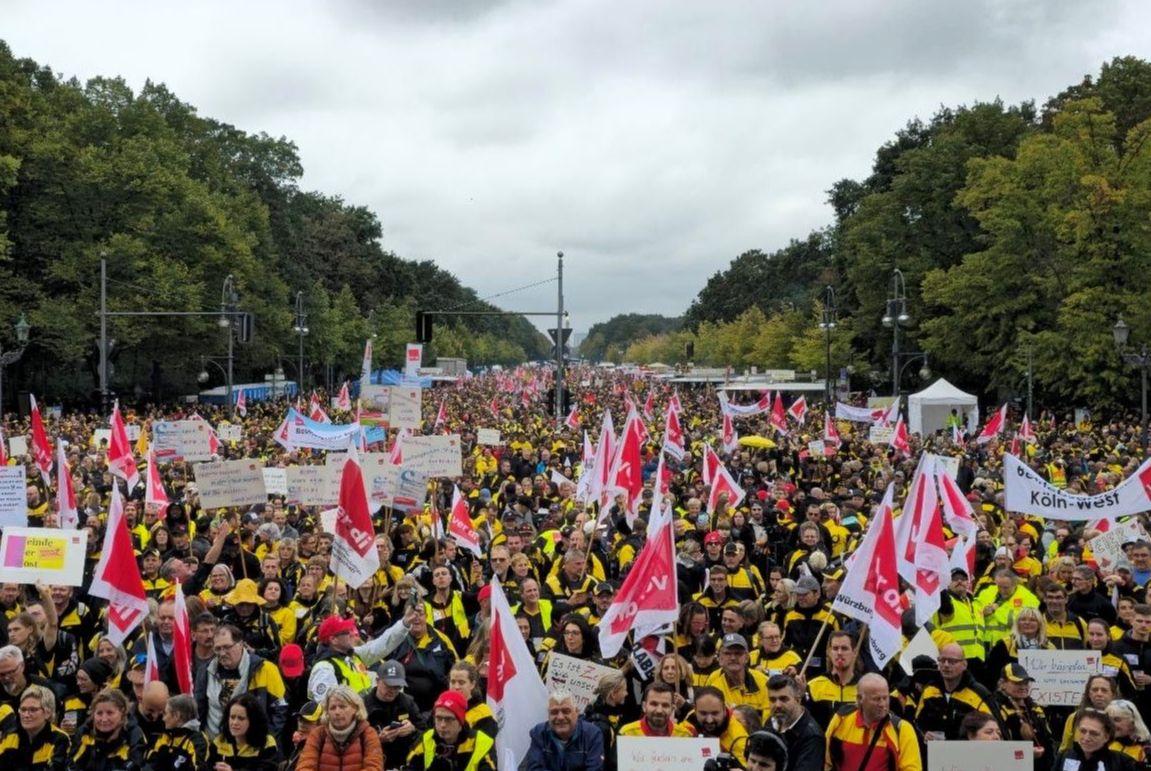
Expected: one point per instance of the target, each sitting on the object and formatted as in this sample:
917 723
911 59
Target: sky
651 142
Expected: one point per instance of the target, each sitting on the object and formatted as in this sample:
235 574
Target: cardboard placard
880 434
576 676
227 432
276 481
133 431
31 554
1108 547
411 490
380 478
17 446
13 497
102 435
434 456
413 358
1060 676
980 756
230 483
404 408
815 449
311 486
488 436
644 753
176 440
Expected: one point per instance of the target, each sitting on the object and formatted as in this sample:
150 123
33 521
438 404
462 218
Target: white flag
516 694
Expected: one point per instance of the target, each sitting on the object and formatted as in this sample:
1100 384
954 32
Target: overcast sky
651 141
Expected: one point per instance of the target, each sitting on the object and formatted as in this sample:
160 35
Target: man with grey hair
565 740
14 679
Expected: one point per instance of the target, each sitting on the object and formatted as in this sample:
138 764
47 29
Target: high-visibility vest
966 625
354 675
456 611
481 741
997 626
1056 475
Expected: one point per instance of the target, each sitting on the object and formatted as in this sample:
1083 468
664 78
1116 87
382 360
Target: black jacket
382 713
805 745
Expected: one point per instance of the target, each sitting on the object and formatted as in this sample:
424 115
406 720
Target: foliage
607 340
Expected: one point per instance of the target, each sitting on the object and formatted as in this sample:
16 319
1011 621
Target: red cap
762 495
783 504
334 625
455 703
713 537
292 660
485 592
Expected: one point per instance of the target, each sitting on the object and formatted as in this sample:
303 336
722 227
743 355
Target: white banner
101 436
488 436
31 554
1060 676
230 483
276 481
1026 492
577 676
853 414
434 456
13 496
650 753
978 756
880 434
176 440
300 431
311 486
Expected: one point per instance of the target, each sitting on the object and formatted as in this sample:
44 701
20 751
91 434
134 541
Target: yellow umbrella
762 442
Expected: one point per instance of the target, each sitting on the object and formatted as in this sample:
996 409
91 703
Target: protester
34 743
566 740
345 738
791 721
451 744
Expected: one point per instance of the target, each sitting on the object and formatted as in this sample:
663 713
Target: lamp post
300 327
1140 359
896 317
828 324
11 357
228 302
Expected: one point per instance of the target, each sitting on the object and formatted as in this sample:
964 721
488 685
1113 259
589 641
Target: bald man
949 696
853 731
150 710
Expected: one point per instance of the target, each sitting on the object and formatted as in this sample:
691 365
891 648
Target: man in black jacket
802 735
393 713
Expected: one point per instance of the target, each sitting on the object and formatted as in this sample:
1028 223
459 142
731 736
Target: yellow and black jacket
826 695
752 691
179 748
90 753
1069 635
942 712
473 752
245 757
47 752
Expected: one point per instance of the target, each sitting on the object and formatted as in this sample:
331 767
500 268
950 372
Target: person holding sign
1020 718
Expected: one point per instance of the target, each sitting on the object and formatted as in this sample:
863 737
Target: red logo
501 667
1019 754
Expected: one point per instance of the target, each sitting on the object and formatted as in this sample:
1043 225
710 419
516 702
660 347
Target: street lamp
828 324
228 302
1140 359
11 357
896 317
300 327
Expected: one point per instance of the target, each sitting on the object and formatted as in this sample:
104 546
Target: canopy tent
927 411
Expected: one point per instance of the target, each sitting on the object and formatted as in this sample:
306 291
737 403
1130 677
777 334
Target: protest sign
133 431
411 489
31 554
301 431
1108 547
328 519
576 676
176 440
276 481
413 359
649 753
1026 492
102 437
1060 676
404 408
880 434
488 436
815 449
227 432
17 446
375 404
13 496
434 456
310 486
380 478
980 756
230 483
645 662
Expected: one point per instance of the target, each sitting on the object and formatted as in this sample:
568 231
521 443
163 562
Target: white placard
17 446
404 408
488 436
577 676
649 753
920 645
13 496
230 483
815 449
102 435
53 555
276 481
950 464
1060 676
176 440
880 434
133 431
980 756
411 490
311 486
227 432
1108 547
328 520
434 456
380 478
413 358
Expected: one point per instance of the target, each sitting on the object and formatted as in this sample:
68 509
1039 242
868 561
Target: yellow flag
142 443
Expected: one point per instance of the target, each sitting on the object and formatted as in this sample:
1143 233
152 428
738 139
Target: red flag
516 694
120 460
3 448
798 410
627 469
920 546
673 403
343 399
316 411
649 405
778 416
41 447
182 644
994 426
1026 432
494 406
154 492
65 494
396 454
117 578
956 508
151 664
711 464
831 440
673 435
214 440
354 556
900 440
460 525
723 482
441 415
242 403
573 419
956 435
730 440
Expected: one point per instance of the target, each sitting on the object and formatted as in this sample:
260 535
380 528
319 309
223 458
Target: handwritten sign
176 440
404 408
644 753
133 431
380 478
1108 547
227 432
102 437
980 756
276 481
411 490
488 436
230 483
17 446
434 456
880 434
13 496
29 554
1060 676
311 486
576 676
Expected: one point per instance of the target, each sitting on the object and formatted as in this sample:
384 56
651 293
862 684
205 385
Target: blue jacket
583 752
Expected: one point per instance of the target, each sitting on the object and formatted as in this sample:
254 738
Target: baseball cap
292 660
731 547
334 625
393 674
485 593
1016 674
806 584
604 587
734 640
310 712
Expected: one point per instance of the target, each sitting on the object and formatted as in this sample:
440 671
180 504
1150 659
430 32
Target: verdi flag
117 577
354 557
516 694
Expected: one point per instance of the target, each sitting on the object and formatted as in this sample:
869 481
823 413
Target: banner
576 676
880 434
434 456
488 436
854 414
276 481
413 358
411 490
31 554
230 483
980 756
299 431
101 438
1026 492
13 497
380 478
1108 547
181 440
1060 676
227 432
650 753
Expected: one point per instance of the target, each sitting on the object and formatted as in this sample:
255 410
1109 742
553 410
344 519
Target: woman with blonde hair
677 672
1131 734
1028 632
345 739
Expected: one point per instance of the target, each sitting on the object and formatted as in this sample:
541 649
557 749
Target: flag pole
815 645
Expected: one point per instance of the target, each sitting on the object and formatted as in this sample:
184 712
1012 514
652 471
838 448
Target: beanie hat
455 703
98 671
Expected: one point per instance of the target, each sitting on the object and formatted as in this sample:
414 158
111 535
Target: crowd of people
293 669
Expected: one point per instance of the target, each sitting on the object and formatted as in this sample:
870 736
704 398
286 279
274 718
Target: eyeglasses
217 649
9 673
30 710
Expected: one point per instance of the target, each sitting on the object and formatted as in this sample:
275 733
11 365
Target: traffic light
689 350
423 327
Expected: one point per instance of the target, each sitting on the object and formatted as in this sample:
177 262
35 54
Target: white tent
927 410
